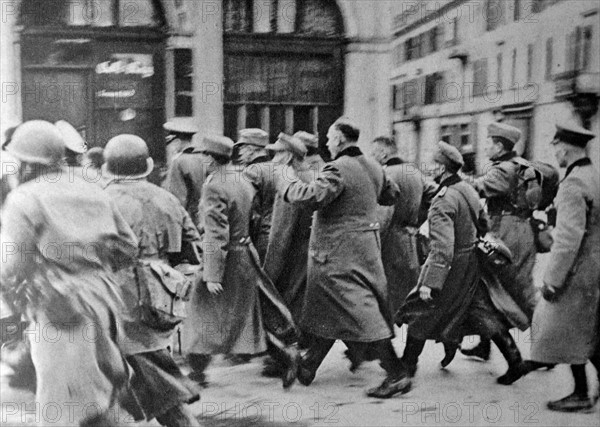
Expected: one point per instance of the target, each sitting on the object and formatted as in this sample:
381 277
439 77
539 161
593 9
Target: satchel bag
163 294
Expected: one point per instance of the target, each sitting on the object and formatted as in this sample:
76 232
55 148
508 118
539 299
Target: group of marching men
274 250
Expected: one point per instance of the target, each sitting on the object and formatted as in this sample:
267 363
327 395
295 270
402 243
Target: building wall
535 93
367 27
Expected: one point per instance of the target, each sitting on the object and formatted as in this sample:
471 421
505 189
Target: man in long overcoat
186 172
167 236
62 239
399 223
509 220
346 296
565 320
449 301
287 254
259 170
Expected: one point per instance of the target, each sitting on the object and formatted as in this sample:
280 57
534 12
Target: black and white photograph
273 213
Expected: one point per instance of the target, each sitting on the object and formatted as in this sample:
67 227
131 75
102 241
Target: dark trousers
384 350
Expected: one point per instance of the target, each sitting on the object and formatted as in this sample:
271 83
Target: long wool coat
287 253
346 296
398 235
451 269
230 322
565 331
75 237
498 187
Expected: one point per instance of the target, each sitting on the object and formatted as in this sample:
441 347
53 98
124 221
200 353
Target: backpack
537 184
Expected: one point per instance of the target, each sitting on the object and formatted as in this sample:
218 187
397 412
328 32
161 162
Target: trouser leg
507 346
580 378
412 351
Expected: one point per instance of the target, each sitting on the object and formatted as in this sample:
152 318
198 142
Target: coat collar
394 161
451 180
581 162
505 157
352 151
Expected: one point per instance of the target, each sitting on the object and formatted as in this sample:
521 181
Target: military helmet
37 141
127 157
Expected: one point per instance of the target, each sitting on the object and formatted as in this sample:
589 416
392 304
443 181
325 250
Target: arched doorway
283 65
98 64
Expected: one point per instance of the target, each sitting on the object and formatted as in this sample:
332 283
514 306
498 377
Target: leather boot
481 350
178 416
397 380
312 359
579 400
450 351
199 363
412 351
507 346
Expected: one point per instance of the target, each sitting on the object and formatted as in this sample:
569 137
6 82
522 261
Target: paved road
464 394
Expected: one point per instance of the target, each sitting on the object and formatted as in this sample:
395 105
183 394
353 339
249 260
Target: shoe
305 376
450 352
390 387
572 403
481 350
513 374
290 372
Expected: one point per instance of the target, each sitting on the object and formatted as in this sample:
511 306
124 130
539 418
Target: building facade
115 66
458 65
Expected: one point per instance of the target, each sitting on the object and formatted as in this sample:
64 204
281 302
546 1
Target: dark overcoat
287 253
231 322
398 234
261 173
346 295
498 186
185 178
451 269
566 331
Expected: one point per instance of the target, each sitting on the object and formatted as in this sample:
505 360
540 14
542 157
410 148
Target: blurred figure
509 221
258 169
400 222
71 286
186 172
167 237
75 145
567 316
92 162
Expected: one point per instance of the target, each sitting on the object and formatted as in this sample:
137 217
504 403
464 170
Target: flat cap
253 136
573 134
184 125
510 134
448 155
73 139
288 143
214 144
308 139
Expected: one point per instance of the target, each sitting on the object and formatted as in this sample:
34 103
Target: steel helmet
127 157
37 141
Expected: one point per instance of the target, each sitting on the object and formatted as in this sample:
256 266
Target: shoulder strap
474 216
